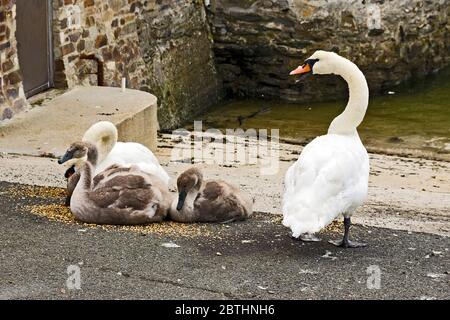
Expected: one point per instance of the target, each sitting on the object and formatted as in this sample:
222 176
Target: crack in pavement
228 295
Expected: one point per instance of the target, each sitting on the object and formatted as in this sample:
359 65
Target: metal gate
34 35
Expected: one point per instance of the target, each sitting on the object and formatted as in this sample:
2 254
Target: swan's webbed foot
308 237
345 242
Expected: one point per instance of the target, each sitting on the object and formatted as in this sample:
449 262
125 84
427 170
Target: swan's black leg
345 242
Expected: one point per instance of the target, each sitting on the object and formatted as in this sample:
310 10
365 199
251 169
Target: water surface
411 119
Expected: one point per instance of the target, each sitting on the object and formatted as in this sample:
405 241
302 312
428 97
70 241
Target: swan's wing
102 177
127 191
126 154
110 163
217 204
328 179
132 152
103 197
155 170
108 172
212 190
129 181
138 199
113 167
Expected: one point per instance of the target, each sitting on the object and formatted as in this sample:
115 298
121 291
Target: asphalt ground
41 258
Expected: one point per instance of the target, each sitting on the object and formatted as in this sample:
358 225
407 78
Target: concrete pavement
47 130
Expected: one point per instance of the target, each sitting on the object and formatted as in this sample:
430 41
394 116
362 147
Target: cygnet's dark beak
181 199
66 157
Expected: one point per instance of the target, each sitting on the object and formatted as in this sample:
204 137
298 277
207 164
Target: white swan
330 177
103 135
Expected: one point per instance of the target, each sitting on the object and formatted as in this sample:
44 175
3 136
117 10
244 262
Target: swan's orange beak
301 69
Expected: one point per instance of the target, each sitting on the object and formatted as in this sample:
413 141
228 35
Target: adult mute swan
103 135
331 175
117 195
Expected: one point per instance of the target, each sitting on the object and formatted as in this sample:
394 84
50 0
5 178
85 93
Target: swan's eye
311 62
306 67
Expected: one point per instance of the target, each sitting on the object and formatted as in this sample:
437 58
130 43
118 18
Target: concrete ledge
49 129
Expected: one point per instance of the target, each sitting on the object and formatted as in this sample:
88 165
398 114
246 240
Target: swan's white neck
104 136
353 115
104 147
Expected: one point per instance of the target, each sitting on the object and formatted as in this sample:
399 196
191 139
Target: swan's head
78 154
188 181
321 62
103 135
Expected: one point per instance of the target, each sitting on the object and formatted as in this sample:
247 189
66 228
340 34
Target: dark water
413 119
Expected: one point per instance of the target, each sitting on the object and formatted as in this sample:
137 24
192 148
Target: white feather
104 135
329 178
331 175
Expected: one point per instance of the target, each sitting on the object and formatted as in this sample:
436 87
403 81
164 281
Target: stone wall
96 43
168 48
12 97
257 42
177 49
160 46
